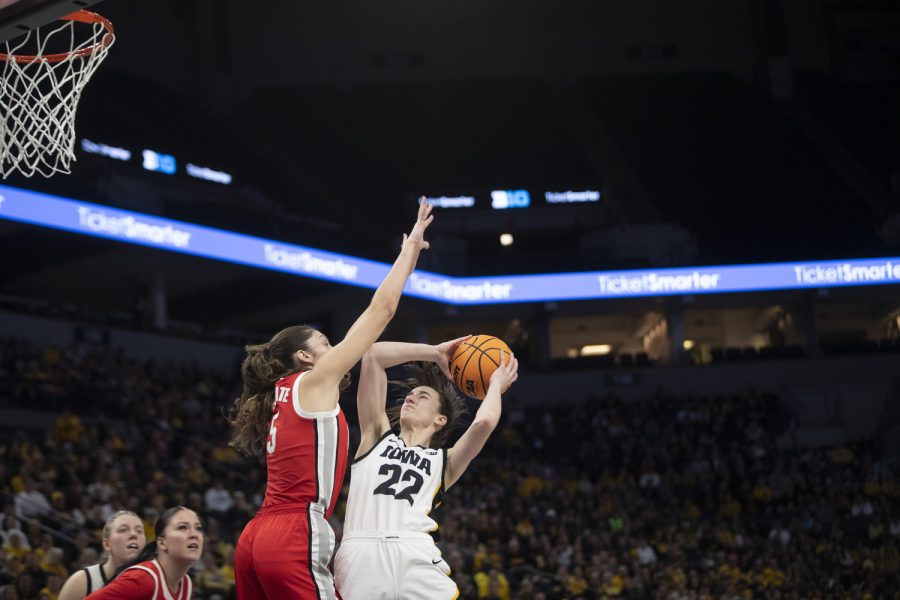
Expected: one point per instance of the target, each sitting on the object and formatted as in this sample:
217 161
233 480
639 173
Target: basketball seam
466 364
462 371
481 373
471 349
488 356
478 347
485 352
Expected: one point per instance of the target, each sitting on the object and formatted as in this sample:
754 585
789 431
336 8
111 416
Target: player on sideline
400 474
291 389
123 538
160 571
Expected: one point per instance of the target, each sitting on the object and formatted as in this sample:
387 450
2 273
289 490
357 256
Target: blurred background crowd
669 498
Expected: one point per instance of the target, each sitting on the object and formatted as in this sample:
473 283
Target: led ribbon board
176 236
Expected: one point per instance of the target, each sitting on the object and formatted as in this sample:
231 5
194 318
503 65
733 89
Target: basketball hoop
39 92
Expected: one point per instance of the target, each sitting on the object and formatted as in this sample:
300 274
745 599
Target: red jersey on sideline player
144 581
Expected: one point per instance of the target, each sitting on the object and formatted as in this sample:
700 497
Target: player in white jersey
401 471
123 537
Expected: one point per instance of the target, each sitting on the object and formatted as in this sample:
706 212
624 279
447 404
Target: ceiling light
596 350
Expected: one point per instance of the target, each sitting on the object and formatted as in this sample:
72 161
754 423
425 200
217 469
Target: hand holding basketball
507 373
446 351
424 219
474 362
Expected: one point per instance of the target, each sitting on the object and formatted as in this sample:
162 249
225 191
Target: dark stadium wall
219 52
805 27
359 41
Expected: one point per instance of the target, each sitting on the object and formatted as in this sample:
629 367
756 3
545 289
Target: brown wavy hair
263 366
451 404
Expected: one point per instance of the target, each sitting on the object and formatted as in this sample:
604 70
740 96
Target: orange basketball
474 362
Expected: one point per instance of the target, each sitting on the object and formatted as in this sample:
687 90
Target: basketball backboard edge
18 17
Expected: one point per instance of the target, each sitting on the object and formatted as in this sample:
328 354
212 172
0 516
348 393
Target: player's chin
193 551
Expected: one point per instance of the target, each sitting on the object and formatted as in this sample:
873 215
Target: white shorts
392 566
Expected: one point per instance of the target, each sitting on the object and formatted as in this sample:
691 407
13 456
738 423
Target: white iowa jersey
395 488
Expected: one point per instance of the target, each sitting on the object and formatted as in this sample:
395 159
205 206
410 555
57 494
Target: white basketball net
38 99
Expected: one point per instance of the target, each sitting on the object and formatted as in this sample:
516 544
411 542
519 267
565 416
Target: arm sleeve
133 584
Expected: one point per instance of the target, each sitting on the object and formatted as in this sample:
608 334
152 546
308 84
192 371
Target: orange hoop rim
80 16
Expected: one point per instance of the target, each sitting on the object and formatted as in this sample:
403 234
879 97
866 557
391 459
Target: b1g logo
161 163
501 199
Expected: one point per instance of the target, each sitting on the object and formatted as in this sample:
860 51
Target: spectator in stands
51 590
31 502
25 586
16 545
8 592
53 563
68 428
10 524
8 518
86 557
217 499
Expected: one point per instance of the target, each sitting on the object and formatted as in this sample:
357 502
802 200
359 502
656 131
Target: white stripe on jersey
185 590
295 396
394 487
326 458
321 547
155 580
295 400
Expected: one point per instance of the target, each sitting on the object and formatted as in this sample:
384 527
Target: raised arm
486 419
370 399
319 388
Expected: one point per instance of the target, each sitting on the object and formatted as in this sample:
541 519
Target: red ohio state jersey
143 581
306 453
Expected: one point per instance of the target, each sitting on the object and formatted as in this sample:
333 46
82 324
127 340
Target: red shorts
283 553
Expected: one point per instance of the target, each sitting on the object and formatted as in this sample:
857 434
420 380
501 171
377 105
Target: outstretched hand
423 220
446 351
507 373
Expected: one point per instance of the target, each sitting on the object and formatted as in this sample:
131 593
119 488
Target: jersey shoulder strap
96 578
89 577
152 574
386 434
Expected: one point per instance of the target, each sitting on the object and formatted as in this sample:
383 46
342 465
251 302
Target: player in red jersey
290 400
160 571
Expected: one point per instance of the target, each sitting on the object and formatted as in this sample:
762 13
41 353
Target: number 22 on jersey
387 487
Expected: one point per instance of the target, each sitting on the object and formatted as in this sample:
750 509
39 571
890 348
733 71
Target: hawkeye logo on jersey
281 393
407 457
